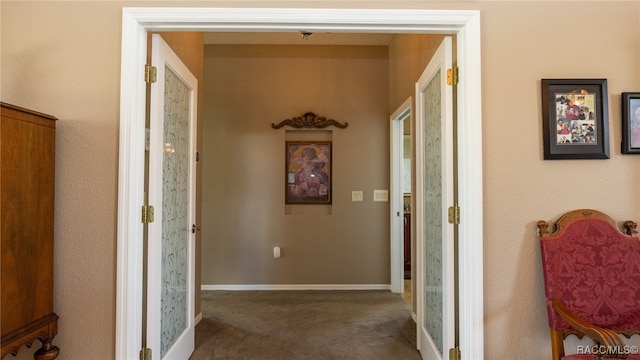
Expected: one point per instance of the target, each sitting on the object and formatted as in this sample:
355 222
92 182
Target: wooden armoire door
27 158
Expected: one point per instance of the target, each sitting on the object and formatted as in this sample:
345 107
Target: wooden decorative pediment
309 120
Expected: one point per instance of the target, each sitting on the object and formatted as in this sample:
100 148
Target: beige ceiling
296 38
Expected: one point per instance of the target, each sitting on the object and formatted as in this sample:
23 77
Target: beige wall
69 66
409 54
522 43
248 88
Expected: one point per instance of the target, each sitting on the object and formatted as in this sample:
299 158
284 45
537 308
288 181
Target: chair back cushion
595 270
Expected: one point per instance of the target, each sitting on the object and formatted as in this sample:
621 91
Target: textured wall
521 187
68 66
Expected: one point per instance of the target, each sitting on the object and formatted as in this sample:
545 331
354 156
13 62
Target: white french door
435 276
170 330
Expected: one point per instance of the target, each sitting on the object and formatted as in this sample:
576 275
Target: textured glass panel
175 210
433 210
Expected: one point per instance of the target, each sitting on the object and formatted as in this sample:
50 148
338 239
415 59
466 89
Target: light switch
381 195
356 196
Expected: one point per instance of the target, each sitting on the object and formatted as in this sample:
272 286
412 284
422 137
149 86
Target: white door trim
397 195
135 24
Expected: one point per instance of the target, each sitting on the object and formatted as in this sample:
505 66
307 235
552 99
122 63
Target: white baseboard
198 318
299 287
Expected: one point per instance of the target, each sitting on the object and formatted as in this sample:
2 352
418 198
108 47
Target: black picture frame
308 172
575 119
630 122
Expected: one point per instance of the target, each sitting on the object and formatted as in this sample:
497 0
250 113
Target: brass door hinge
452 76
150 74
454 354
145 354
454 214
147 214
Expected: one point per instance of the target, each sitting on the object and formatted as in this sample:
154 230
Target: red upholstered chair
592 284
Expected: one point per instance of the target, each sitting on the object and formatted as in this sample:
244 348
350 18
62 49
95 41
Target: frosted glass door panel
175 210
433 212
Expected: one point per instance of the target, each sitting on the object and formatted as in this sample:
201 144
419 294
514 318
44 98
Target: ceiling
296 38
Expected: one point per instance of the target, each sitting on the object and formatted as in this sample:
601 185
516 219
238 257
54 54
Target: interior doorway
401 196
136 23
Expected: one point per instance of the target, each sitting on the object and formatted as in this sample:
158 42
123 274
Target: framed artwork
308 172
575 119
630 123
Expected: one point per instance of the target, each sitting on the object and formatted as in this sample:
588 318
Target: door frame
465 24
402 113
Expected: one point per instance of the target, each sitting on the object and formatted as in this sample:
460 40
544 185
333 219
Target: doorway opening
401 190
138 21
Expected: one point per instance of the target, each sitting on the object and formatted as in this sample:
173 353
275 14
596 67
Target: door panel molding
135 24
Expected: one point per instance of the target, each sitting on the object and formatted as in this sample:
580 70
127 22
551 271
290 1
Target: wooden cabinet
27 160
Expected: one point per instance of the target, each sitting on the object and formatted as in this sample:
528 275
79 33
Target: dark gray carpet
309 325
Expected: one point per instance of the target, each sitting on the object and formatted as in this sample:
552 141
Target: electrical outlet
356 196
